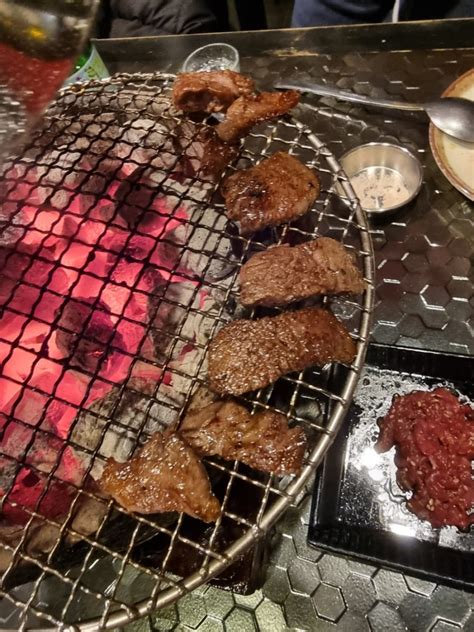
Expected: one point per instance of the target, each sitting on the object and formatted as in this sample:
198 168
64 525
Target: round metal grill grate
104 216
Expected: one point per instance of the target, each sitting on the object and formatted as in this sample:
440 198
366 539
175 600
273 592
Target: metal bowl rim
401 148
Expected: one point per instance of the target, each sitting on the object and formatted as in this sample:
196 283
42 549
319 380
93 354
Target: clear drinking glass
218 56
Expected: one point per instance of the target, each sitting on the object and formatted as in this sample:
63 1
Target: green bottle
88 65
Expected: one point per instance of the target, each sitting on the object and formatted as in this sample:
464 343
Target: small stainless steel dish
384 176
218 56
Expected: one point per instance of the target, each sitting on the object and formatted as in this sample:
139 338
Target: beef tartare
433 433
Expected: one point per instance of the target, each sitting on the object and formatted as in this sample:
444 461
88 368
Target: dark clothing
326 12
132 18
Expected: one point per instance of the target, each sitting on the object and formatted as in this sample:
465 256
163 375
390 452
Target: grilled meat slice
283 274
263 441
209 91
249 354
165 475
216 155
250 109
275 191
202 153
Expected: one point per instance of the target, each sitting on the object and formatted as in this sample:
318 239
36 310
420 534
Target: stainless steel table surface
425 299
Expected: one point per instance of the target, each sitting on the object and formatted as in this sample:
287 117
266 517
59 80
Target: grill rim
289 494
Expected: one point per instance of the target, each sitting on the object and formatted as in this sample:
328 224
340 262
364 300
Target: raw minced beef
433 433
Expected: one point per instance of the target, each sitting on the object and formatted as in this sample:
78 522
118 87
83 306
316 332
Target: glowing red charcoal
28 488
79 285
83 335
40 448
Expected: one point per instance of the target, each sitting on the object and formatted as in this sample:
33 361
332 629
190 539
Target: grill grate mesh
104 181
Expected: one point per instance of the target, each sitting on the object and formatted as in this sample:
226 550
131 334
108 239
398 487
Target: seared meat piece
283 274
209 91
216 155
202 152
263 441
249 354
250 109
165 475
277 190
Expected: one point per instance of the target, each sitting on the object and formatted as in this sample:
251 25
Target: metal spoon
452 115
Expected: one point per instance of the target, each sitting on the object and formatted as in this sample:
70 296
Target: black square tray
357 507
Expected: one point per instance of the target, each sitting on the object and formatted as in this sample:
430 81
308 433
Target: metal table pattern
425 299
309 591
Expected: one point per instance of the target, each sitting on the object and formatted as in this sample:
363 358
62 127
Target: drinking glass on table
218 56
